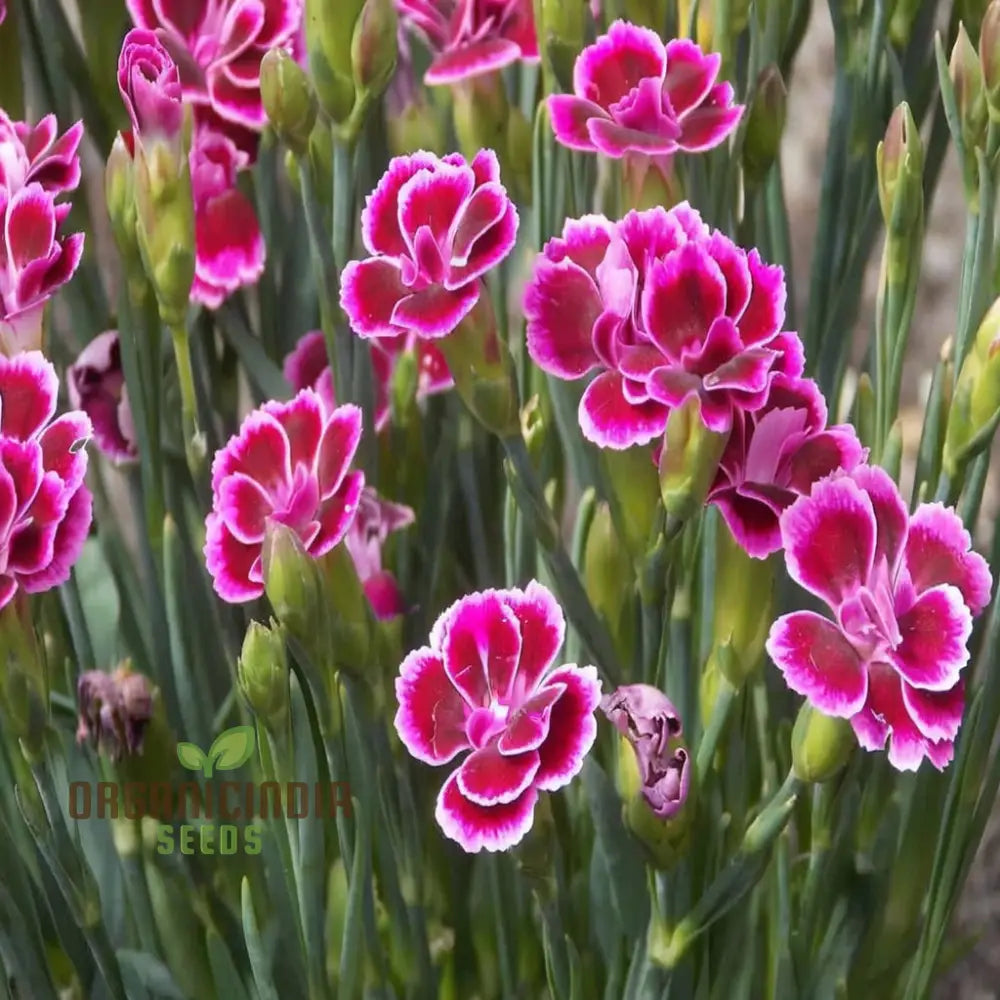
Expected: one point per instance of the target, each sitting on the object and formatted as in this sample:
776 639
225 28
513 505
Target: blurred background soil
976 976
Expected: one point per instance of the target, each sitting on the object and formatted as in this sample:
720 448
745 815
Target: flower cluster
903 590
36 258
485 684
433 227
155 79
45 507
471 37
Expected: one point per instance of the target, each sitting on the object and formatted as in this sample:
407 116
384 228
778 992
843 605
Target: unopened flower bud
975 408
654 769
262 672
989 57
899 160
744 603
607 576
374 47
689 460
293 584
483 370
821 745
329 29
420 125
563 25
966 76
119 192
481 111
348 612
765 125
289 99
633 478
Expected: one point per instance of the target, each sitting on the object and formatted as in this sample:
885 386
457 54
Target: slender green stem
194 440
713 731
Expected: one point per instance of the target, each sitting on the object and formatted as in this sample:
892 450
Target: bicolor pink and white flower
471 37
96 385
635 95
36 258
662 308
45 506
229 246
217 46
150 86
376 519
774 455
289 463
433 227
307 366
903 590
485 684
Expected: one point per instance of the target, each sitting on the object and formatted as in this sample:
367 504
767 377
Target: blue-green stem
194 442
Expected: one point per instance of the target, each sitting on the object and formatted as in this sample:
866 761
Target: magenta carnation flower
96 385
229 246
471 37
36 259
218 46
635 95
485 684
903 590
434 227
45 507
307 366
289 463
663 308
774 455
150 86
375 521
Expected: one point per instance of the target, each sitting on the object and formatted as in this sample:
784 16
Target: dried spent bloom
434 227
114 710
375 521
45 507
649 721
471 37
664 309
289 463
485 684
633 95
773 456
96 385
904 589
36 259
218 46
229 246
308 366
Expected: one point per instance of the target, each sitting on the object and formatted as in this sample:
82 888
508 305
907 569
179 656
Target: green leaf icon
190 755
231 749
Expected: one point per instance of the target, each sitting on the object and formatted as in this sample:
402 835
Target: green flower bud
419 125
165 221
633 478
607 574
821 745
329 27
989 57
294 585
744 607
481 111
288 99
975 409
966 75
348 613
563 27
483 370
119 193
262 673
899 160
765 125
864 410
374 47
689 460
